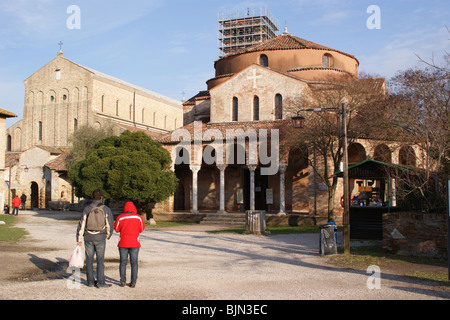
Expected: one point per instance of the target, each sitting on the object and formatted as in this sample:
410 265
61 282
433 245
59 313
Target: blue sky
170 46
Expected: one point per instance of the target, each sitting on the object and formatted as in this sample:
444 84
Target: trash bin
327 242
335 229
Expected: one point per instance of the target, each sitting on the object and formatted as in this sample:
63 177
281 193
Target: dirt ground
190 263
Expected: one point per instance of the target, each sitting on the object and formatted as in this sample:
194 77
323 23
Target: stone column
222 188
252 186
282 170
194 170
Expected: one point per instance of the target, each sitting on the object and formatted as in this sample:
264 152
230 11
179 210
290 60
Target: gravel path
191 264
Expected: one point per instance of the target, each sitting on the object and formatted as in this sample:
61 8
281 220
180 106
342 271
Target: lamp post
298 122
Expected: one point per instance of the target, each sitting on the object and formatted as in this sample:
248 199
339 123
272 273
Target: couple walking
95 226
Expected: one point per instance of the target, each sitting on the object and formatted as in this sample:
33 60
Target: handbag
77 258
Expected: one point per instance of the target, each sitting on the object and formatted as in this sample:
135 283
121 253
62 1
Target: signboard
269 196
239 196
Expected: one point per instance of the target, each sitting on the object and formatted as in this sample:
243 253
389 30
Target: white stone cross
254 77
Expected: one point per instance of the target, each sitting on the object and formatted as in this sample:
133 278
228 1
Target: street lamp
298 122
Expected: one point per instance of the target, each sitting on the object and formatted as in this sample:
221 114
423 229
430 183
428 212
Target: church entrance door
34 194
261 184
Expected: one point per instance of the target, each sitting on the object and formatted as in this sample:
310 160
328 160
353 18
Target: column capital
252 167
195 168
282 167
221 167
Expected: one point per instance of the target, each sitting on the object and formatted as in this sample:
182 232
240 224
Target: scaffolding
237 32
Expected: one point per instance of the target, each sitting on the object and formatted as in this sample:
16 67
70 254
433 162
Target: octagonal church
229 155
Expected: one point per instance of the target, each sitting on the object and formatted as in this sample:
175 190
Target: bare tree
418 109
323 130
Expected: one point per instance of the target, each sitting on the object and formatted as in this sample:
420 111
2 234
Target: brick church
255 90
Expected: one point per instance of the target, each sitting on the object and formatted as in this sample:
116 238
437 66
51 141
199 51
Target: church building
60 97
252 97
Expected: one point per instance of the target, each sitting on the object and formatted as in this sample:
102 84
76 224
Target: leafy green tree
128 167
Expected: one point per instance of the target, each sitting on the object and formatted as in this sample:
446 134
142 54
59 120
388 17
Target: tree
323 130
127 167
83 140
418 109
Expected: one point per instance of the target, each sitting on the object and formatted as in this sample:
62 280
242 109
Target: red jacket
130 225
16 202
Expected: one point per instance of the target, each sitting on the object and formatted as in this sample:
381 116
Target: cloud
404 50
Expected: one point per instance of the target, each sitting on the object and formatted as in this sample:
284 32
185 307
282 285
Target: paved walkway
188 263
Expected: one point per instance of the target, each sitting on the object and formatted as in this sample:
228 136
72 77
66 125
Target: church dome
289 54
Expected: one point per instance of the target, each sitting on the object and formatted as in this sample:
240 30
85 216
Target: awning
371 169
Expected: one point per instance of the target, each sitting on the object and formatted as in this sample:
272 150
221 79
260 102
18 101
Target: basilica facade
59 98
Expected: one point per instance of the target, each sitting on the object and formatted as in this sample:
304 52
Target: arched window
327 60
263 60
235 109
255 108
8 143
278 106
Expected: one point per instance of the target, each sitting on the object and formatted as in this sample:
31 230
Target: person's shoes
123 284
132 285
103 285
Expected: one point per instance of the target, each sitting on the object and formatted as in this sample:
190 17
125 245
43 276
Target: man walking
95 225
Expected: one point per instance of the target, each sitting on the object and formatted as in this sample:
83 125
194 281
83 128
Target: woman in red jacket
129 225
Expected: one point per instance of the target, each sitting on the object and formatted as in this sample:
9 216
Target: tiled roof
7 114
223 126
202 95
285 42
58 164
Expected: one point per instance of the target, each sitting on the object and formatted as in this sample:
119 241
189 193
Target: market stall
372 193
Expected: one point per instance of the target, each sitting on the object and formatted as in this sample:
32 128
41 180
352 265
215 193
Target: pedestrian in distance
23 198
16 204
95 226
129 225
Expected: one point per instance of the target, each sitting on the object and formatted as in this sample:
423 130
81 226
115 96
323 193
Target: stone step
224 218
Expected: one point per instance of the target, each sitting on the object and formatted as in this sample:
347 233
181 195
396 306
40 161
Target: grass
8 232
363 256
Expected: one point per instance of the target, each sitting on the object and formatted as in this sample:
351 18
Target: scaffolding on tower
239 31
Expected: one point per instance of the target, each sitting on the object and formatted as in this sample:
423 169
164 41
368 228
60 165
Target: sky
169 47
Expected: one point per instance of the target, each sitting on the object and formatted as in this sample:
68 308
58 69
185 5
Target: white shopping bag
77 258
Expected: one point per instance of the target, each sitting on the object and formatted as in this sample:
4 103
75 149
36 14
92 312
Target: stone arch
64 96
407 156
356 153
382 153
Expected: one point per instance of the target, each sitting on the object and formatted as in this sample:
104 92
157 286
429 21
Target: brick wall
415 234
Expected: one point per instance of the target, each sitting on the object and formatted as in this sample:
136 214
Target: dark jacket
106 233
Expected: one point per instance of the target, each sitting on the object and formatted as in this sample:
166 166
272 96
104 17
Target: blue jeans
134 253
16 210
97 248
